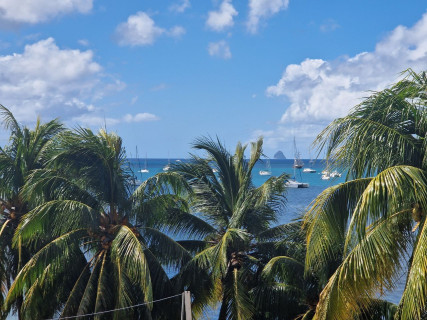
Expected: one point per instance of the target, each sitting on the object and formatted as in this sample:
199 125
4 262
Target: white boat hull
296 184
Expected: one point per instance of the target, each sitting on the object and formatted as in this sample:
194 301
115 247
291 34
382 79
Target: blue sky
161 73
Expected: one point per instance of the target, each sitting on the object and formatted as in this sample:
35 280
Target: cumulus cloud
219 49
318 91
141 30
223 18
181 6
262 9
47 80
35 11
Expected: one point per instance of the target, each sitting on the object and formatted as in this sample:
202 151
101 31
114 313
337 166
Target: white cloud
177 31
219 49
47 80
329 25
159 87
84 42
223 18
319 91
262 9
35 11
94 120
181 6
140 117
141 30
134 100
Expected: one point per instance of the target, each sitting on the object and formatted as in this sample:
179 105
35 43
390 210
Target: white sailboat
145 170
310 170
168 166
298 164
267 171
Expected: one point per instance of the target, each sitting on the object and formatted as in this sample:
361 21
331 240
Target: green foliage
365 227
84 211
232 221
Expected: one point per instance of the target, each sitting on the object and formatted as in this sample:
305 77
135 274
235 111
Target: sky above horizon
162 73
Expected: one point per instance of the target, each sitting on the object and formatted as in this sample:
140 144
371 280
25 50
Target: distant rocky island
279 155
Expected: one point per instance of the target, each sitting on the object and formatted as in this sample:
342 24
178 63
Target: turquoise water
297 199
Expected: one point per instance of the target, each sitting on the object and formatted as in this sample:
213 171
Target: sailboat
298 164
267 171
310 170
168 166
145 170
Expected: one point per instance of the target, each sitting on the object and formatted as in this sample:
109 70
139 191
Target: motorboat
325 176
296 184
309 170
335 174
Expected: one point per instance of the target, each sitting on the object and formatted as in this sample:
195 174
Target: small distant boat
214 170
168 166
310 170
145 170
267 171
335 174
296 184
298 164
325 176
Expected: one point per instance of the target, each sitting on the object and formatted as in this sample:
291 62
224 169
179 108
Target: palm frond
372 265
326 221
128 248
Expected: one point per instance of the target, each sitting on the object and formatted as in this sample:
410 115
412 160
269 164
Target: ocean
297 199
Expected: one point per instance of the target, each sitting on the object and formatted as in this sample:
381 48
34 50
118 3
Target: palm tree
231 220
25 152
285 291
373 225
101 242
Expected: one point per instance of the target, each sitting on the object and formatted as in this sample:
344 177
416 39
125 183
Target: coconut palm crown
232 221
25 152
101 242
374 225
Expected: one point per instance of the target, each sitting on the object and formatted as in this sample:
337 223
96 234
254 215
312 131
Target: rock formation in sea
279 155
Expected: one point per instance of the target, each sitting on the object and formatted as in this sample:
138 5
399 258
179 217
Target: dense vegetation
78 237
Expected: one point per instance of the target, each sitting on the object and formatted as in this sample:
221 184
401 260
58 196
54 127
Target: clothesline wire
114 310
